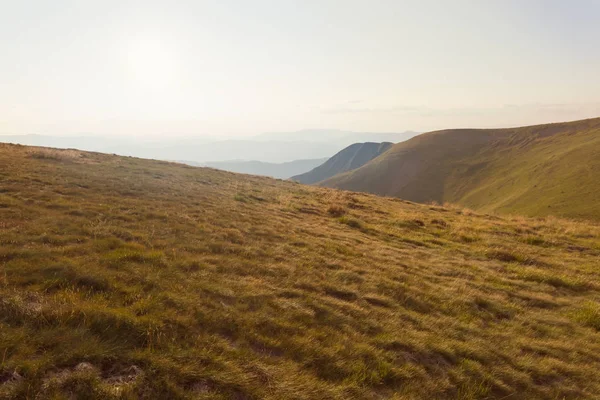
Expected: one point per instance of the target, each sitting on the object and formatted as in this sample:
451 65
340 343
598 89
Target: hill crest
550 169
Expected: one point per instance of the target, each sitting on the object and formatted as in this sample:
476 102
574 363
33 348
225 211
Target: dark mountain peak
352 157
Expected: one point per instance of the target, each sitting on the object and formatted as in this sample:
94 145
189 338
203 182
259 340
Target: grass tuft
336 210
589 315
351 222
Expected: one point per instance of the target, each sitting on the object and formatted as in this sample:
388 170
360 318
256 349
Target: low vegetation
125 278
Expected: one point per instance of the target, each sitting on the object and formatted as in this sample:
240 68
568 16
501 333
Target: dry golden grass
46 153
129 278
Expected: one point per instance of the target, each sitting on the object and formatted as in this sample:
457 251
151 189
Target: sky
226 67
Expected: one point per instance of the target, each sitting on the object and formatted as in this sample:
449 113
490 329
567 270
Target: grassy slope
125 278
540 170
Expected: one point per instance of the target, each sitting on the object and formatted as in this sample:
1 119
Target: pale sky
250 66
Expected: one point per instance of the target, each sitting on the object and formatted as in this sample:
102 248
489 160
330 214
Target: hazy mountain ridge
191 149
352 157
269 147
551 169
275 170
341 137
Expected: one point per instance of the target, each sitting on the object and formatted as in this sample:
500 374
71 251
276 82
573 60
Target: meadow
124 278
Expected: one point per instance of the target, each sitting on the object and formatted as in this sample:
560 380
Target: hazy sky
250 66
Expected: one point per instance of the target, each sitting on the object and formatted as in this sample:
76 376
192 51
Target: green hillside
123 278
540 170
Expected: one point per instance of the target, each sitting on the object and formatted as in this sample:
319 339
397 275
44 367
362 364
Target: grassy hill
352 157
539 170
130 278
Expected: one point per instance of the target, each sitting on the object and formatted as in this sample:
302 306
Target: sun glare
152 64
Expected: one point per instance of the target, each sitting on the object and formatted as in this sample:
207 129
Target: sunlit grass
128 278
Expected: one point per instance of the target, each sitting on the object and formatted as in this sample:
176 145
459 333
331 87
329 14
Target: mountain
90 143
272 151
129 278
274 170
196 149
339 137
269 147
551 169
353 156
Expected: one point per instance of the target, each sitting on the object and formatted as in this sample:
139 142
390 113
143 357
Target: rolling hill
551 169
200 149
275 170
280 147
352 157
124 278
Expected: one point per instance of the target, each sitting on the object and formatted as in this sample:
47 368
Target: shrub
336 210
54 154
535 241
351 222
470 239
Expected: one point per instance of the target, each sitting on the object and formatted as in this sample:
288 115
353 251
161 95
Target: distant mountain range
551 169
274 170
269 147
352 157
341 138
